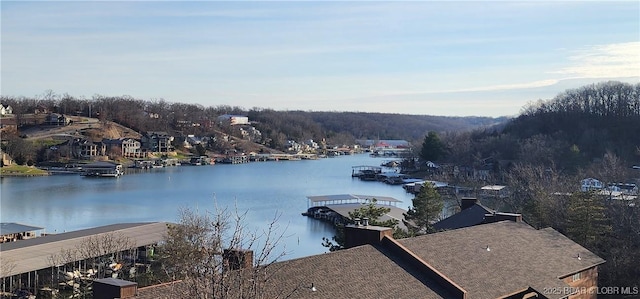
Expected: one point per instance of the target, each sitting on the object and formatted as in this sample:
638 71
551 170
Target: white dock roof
349 198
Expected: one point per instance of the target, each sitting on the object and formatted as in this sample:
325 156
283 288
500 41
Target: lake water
263 189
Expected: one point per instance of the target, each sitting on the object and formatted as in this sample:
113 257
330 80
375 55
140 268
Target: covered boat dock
336 208
323 200
29 264
11 232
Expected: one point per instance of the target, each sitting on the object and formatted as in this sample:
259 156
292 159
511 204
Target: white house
589 184
5 109
233 119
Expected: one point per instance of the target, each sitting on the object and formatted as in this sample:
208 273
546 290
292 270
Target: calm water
69 202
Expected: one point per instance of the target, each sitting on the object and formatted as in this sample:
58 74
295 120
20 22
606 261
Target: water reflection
64 203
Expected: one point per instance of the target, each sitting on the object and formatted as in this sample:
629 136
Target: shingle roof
519 257
470 216
361 272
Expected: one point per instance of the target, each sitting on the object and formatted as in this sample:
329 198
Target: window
577 276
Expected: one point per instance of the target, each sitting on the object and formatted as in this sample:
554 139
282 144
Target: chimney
467 202
499 216
356 235
109 288
236 259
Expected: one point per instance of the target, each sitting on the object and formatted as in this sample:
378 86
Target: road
77 127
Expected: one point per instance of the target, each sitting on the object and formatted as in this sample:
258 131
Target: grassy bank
21 170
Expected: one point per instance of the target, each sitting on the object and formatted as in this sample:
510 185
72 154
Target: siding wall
586 286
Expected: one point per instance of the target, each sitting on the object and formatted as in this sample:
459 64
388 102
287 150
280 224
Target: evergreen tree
587 222
200 150
370 211
373 213
432 147
427 206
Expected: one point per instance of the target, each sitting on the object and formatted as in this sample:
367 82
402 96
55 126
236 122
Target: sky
453 58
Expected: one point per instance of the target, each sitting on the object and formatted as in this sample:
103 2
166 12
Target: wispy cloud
317 54
605 61
485 88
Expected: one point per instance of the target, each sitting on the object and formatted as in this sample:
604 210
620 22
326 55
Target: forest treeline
568 131
545 153
276 126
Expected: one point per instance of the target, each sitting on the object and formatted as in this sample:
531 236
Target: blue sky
420 57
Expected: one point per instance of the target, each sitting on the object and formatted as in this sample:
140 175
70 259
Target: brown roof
360 272
519 257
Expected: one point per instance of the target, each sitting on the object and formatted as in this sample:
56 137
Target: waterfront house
125 147
157 142
190 141
83 148
503 259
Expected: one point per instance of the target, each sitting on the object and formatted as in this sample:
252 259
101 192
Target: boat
390 164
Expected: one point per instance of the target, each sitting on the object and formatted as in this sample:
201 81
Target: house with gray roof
473 213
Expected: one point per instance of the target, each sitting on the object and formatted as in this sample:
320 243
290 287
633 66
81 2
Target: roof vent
313 288
365 221
488 249
579 258
357 221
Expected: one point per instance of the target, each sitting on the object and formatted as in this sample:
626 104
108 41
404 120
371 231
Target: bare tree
6 267
98 256
213 255
539 193
611 170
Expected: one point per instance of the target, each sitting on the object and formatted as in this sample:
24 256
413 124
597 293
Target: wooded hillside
568 131
276 126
